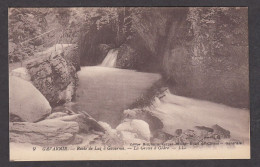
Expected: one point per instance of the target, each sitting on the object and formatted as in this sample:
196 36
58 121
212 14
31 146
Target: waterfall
110 59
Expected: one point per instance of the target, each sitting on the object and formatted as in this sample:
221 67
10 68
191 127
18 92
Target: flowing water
177 112
110 59
104 92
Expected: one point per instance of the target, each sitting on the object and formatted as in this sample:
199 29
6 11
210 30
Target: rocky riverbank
37 90
185 121
158 116
166 119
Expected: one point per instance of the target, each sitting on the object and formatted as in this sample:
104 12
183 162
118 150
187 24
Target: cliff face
211 62
201 52
143 48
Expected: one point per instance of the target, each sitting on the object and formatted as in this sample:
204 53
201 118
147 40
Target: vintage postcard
128 83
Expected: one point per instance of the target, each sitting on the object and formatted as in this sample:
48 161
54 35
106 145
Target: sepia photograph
128 83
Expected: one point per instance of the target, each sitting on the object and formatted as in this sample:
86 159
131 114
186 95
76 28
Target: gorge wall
201 52
54 74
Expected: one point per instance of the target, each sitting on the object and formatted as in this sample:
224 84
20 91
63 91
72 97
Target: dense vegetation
35 29
201 52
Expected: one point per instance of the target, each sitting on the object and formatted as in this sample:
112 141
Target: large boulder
54 75
26 101
48 132
123 135
223 133
154 122
131 137
139 127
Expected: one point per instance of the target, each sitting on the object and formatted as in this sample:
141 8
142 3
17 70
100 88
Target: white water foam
110 59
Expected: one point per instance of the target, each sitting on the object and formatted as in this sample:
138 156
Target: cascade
110 59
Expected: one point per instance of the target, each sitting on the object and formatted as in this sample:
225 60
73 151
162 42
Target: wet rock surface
135 128
54 75
145 115
199 135
223 133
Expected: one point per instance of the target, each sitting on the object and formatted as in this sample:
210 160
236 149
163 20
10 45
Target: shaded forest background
200 52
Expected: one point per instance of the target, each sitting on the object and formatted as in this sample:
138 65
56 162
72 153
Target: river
104 92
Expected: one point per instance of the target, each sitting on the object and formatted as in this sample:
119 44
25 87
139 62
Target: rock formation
25 101
145 115
54 75
139 127
48 132
21 73
86 122
223 133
